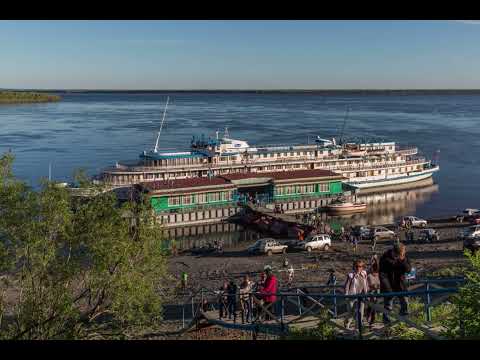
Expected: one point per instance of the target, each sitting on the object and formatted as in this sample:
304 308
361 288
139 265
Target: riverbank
24 97
210 270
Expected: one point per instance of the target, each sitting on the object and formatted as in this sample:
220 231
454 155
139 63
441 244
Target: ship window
187 200
323 187
174 201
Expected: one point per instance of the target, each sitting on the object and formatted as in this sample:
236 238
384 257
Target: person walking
356 283
373 281
269 291
184 278
232 300
354 242
290 273
222 300
257 300
394 264
245 299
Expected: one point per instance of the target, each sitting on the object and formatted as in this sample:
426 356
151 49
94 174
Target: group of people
407 227
349 235
387 274
249 297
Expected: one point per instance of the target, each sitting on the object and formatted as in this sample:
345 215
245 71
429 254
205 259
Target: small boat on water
346 207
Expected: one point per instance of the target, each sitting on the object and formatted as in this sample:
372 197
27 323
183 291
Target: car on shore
363 232
429 235
414 221
381 233
471 232
470 215
471 238
267 246
315 242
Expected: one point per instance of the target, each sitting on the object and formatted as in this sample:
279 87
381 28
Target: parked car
381 233
470 232
428 235
363 232
474 219
415 221
320 241
267 246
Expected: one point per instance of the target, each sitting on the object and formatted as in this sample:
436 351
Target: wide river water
94 130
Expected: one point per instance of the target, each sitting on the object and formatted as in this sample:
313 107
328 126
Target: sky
240 54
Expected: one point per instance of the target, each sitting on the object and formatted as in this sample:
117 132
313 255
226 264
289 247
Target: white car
321 241
472 232
415 221
267 246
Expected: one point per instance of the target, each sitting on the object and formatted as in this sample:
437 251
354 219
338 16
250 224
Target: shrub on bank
77 269
12 97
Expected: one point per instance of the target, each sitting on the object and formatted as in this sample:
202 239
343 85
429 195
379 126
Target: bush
464 322
325 330
79 267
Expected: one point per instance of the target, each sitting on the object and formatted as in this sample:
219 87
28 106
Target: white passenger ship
363 165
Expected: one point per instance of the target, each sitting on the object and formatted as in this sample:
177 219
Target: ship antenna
225 133
343 127
161 125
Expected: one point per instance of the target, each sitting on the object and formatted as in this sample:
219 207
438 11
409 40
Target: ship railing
406 150
335 167
375 166
266 163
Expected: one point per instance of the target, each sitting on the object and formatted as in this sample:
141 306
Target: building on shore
204 200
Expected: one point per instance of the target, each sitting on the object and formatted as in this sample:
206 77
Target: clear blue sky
239 54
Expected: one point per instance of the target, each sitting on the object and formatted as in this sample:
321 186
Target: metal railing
290 305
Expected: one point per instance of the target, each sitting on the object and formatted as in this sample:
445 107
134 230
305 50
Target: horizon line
264 90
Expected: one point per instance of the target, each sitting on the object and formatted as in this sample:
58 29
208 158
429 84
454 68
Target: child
356 284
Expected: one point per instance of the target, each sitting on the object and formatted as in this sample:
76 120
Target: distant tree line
18 97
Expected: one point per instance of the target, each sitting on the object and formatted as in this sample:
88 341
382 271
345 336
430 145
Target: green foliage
12 97
77 266
402 331
450 271
464 322
325 330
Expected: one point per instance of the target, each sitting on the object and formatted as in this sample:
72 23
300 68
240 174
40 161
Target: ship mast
161 125
343 127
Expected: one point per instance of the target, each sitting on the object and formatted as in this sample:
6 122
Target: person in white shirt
356 283
246 299
290 273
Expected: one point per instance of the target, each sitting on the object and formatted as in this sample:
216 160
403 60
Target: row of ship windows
200 198
301 189
382 172
121 178
193 161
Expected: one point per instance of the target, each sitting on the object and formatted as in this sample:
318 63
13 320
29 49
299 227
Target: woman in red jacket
269 290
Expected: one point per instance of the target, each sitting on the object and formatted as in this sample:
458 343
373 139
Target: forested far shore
20 97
